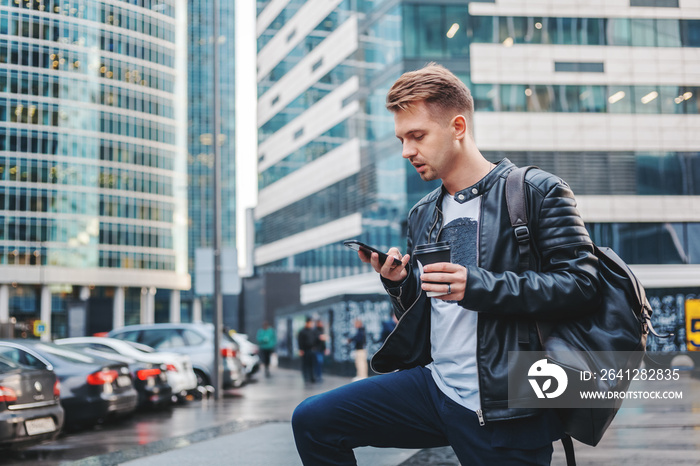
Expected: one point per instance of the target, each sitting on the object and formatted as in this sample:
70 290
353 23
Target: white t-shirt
452 327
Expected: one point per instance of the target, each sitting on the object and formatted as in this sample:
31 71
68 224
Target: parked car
92 389
30 411
193 339
178 367
149 378
249 354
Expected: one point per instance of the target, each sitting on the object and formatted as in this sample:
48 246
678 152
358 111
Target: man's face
429 144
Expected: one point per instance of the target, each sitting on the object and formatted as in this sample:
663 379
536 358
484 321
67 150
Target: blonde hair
442 91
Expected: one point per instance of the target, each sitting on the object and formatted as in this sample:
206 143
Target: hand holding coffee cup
432 254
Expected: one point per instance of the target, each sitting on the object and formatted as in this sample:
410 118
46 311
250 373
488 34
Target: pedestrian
445 364
267 342
320 350
306 340
359 347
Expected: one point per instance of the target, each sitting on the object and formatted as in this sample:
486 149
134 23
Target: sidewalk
249 426
252 428
267 445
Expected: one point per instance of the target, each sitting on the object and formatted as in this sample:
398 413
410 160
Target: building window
579 67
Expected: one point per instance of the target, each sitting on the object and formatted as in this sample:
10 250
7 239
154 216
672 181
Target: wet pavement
261 401
250 426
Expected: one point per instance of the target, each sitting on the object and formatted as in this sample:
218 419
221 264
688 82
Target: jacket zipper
480 415
479 412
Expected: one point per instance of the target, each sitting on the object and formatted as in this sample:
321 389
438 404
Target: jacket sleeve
566 283
404 294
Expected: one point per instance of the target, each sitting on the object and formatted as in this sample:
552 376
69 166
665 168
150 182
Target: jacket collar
481 186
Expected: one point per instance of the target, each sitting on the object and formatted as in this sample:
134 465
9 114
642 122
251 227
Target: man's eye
418 138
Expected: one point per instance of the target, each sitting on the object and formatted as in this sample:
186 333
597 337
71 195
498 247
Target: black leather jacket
564 286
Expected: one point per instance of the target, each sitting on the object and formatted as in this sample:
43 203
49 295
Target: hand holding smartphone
357 245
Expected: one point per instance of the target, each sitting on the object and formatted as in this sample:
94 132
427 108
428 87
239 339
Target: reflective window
486 98
541 98
620 99
484 28
319 146
513 98
339 200
662 174
430 31
592 99
616 173
668 33
586 98
646 99
648 243
639 32
193 338
643 32
162 338
690 33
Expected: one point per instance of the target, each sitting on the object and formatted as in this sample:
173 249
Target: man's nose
408 150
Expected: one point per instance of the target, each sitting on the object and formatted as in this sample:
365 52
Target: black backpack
621 324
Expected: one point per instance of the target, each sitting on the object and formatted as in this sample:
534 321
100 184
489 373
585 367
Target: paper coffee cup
425 254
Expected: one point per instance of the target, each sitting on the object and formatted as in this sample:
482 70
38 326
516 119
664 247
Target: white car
249 352
181 376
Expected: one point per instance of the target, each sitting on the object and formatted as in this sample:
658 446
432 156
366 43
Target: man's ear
459 124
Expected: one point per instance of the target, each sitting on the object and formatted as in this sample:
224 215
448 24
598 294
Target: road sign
692 324
39 328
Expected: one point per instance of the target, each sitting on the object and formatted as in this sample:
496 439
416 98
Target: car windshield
141 347
66 354
6 365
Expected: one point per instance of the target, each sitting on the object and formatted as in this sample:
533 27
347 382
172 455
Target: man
449 354
320 350
359 346
306 340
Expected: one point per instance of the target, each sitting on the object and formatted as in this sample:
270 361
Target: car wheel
202 378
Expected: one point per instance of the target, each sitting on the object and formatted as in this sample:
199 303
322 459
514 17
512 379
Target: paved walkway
253 429
267 445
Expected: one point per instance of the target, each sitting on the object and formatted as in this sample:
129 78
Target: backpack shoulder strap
517 211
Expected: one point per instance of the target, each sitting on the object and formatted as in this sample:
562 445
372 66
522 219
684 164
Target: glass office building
200 129
93 206
605 97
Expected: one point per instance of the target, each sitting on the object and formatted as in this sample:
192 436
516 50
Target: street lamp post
218 298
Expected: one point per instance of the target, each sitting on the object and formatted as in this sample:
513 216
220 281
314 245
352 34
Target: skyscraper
200 159
93 207
603 94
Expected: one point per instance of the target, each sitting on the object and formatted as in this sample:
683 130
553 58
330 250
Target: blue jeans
318 365
405 409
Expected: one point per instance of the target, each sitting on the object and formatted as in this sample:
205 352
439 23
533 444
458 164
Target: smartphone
356 246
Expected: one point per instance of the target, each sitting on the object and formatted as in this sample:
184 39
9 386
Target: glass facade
200 159
650 243
91 161
616 172
396 36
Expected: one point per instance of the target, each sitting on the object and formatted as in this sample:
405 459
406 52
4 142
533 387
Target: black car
92 389
29 408
150 380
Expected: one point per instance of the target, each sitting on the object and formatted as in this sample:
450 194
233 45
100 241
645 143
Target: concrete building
602 93
93 174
